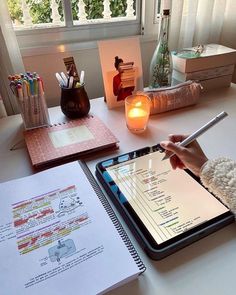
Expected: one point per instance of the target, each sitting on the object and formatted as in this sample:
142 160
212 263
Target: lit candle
137 118
137 108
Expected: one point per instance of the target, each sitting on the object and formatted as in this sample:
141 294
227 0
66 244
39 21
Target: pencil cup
34 111
74 102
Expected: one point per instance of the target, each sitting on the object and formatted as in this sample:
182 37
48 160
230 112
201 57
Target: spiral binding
113 217
66 122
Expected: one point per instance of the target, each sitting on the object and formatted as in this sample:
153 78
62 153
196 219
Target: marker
13 88
35 85
41 80
44 116
32 110
31 87
71 80
36 102
199 132
26 102
81 77
65 79
20 92
60 80
21 99
11 78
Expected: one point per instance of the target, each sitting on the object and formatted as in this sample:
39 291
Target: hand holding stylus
192 157
199 132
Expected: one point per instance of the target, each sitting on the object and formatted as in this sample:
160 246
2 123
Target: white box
214 55
204 74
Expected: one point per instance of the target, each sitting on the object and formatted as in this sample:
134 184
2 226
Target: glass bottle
161 63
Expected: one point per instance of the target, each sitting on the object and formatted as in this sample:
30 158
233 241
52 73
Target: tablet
166 209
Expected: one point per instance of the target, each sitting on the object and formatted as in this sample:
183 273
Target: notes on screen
169 202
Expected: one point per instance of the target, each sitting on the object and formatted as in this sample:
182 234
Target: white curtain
3 112
196 22
10 58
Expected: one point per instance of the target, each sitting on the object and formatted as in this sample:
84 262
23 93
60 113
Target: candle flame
138 104
136 112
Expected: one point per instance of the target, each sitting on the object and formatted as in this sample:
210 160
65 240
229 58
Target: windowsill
40 39
61 27
72 46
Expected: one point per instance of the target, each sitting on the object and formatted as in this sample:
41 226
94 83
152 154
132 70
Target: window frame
68 33
57 39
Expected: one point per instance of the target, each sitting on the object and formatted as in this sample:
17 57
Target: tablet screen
168 202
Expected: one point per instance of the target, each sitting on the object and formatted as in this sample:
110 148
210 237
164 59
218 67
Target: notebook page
56 236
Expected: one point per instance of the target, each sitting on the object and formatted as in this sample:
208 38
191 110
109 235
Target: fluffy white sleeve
219 176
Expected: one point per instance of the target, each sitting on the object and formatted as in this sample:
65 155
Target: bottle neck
164 30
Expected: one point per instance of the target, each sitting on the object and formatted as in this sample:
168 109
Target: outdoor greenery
40 10
15 10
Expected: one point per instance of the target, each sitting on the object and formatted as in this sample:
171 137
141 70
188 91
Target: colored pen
31 87
82 77
13 88
26 101
71 81
20 92
20 97
60 80
35 85
64 78
199 132
44 115
29 90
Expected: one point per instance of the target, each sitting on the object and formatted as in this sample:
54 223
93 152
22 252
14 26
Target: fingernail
163 144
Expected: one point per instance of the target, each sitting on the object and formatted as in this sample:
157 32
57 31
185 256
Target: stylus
199 132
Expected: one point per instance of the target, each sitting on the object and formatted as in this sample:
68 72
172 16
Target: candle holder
137 110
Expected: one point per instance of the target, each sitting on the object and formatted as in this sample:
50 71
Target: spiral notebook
59 234
68 140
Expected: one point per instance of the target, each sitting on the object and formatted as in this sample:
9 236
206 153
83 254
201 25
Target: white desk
205 267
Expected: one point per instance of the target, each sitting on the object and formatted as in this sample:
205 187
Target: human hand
190 157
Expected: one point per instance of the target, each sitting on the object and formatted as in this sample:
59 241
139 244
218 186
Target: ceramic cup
74 102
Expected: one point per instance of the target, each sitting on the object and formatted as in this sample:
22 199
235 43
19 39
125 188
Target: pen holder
34 111
28 89
74 102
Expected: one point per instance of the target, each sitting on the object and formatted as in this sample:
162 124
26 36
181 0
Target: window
53 22
43 13
48 21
